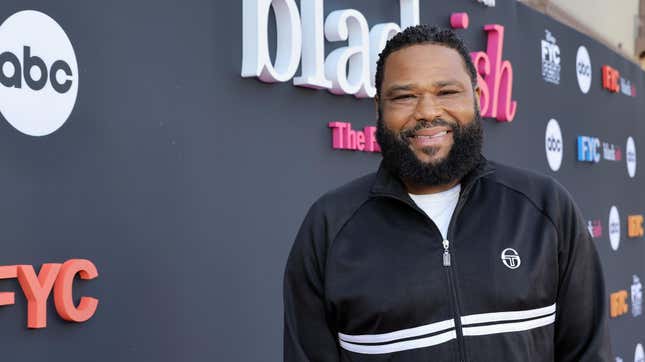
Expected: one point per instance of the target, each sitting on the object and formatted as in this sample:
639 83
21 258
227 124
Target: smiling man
442 255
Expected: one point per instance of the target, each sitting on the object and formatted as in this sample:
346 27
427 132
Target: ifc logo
614 228
553 144
583 69
38 73
630 156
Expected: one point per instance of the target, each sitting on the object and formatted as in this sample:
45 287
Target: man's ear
478 94
376 105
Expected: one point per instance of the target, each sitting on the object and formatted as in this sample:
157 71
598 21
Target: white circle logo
639 354
553 144
38 73
510 258
614 228
583 69
630 156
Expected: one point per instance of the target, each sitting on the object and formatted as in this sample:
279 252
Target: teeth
442 133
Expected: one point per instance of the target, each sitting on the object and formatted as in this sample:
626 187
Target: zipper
447 263
452 286
452 279
446 253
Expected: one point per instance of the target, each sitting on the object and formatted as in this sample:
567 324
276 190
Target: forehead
425 62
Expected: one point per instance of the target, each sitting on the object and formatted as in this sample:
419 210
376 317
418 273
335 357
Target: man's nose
427 108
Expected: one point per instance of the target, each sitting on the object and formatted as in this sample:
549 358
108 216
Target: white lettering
379 35
313 46
349 25
256 60
301 41
409 13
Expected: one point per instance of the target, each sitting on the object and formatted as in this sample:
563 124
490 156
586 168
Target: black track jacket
370 278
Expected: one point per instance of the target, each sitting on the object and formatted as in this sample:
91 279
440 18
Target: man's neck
425 189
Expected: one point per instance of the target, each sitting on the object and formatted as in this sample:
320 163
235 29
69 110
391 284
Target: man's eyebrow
443 83
410 86
399 88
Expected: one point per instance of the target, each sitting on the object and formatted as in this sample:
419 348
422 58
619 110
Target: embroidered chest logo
510 258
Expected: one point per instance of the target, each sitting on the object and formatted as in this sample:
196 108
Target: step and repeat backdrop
157 158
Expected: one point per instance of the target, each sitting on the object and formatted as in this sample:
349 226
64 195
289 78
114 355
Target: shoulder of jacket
348 196
337 206
542 190
521 179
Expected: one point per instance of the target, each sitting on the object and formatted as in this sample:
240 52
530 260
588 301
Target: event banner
158 158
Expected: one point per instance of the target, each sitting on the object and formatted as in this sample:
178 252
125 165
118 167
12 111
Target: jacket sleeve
581 331
307 332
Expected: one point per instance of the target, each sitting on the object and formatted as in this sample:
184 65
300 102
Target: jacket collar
387 184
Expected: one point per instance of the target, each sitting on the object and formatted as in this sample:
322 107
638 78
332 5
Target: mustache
405 134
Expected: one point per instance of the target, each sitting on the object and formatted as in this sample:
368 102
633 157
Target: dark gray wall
185 183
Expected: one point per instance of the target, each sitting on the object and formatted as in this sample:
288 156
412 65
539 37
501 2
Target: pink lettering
350 136
345 138
337 134
495 77
370 140
459 20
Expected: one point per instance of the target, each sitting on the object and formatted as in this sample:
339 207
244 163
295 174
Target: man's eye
403 97
448 92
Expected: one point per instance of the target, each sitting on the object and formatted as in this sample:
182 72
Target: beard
400 159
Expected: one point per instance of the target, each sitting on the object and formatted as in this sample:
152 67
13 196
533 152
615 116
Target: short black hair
424 34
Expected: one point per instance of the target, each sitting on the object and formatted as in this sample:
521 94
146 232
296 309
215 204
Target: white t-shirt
439 207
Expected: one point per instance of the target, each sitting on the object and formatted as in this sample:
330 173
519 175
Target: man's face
429 120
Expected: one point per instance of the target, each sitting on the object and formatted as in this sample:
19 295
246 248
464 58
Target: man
442 255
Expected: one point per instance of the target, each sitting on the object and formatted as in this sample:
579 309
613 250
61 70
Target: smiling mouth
427 137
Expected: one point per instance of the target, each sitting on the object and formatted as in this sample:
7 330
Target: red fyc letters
57 277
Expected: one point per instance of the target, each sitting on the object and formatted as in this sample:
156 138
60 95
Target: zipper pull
446 253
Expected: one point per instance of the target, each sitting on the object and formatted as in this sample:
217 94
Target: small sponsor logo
639 354
630 156
595 228
583 69
511 258
618 303
613 82
592 149
637 296
489 3
588 149
550 59
553 145
38 73
611 152
614 228
635 226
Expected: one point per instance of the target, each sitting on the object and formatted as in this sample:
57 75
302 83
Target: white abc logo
614 228
38 73
510 258
630 156
639 354
583 69
553 144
